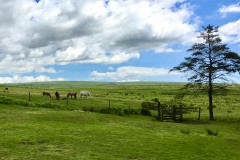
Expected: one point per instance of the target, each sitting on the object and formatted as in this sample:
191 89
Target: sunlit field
37 127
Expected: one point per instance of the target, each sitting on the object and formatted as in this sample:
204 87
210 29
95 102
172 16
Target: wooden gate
166 112
174 113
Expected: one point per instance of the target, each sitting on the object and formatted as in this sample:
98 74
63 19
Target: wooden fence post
174 113
199 113
160 112
29 96
181 112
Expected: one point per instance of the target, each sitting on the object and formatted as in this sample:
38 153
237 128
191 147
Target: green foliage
132 111
155 100
146 112
209 58
149 105
9 100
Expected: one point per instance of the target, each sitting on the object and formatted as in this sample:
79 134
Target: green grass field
32 130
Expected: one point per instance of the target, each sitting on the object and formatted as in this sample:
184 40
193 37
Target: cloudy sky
106 40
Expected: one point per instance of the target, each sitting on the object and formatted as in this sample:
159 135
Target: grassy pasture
30 132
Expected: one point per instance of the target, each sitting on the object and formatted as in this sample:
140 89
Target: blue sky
100 40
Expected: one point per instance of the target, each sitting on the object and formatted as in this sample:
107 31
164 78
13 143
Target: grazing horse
46 94
72 94
85 93
57 95
6 90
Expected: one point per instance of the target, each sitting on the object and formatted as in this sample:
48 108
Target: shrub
155 100
146 112
89 109
106 110
135 111
7 100
148 105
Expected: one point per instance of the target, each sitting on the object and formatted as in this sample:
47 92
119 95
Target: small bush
126 111
7 100
89 109
146 112
135 111
212 132
155 100
148 105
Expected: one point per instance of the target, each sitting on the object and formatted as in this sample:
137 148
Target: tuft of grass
185 131
212 132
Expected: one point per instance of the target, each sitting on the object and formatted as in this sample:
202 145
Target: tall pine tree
210 60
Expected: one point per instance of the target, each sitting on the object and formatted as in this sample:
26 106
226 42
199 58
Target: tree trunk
210 97
211 117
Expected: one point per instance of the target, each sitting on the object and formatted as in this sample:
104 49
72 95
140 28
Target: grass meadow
42 128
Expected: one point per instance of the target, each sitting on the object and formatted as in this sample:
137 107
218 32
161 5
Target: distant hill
79 84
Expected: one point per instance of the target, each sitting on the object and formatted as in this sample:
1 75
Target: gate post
174 113
181 112
29 96
199 113
160 112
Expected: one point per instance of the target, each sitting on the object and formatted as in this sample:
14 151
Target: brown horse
72 94
57 95
46 94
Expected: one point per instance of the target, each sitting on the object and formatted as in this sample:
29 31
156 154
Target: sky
107 40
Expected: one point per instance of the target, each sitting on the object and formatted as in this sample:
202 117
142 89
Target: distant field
49 129
123 95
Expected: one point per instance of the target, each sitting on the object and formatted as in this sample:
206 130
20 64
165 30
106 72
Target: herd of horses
73 95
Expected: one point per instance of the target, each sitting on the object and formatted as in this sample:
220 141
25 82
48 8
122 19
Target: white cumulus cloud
25 79
35 36
231 32
233 8
131 73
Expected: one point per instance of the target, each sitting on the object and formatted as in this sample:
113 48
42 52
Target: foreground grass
39 133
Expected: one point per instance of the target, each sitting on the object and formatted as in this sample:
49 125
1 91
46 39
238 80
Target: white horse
85 93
